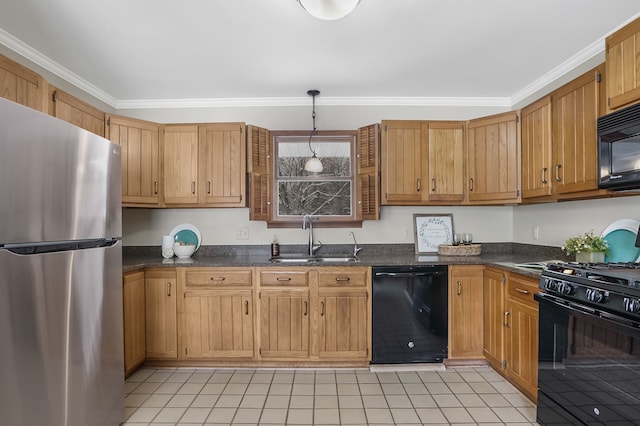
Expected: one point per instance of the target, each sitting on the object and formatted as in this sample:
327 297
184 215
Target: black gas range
607 288
589 344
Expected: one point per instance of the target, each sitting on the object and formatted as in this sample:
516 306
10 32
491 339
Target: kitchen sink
294 259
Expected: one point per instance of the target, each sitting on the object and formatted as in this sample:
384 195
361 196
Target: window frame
319 221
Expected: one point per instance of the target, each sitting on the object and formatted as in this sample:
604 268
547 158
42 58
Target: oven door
588 366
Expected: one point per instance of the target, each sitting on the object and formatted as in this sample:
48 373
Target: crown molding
53 67
304 101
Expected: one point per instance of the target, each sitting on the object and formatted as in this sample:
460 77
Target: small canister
167 246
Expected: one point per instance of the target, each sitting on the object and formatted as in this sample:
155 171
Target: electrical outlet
242 233
535 232
407 233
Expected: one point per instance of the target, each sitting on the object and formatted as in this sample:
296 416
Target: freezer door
57 182
61 357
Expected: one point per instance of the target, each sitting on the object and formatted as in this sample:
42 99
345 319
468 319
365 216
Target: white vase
590 257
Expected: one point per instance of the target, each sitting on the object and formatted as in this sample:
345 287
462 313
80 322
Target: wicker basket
461 250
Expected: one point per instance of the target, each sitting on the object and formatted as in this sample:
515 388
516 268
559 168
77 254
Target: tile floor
455 396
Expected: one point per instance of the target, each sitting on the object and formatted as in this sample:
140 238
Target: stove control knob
565 288
596 296
631 305
550 284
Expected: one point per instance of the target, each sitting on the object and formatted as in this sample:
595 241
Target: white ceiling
150 52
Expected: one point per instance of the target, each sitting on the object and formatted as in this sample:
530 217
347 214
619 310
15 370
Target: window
328 195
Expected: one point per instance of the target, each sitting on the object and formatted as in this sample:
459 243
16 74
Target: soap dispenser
275 247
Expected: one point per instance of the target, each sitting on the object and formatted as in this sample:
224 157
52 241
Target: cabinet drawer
344 277
522 289
284 278
218 277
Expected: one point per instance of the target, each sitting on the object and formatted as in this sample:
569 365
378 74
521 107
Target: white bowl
183 251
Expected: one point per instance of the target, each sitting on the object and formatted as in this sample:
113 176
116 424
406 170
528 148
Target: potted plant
588 247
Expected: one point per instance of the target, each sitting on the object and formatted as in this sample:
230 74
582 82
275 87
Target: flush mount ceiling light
313 164
329 10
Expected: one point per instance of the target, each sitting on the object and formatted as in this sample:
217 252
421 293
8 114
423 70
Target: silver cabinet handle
208 187
544 171
459 288
193 187
155 188
471 184
169 289
433 184
558 179
419 184
519 290
506 319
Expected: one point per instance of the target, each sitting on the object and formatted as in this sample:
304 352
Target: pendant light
329 10
313 164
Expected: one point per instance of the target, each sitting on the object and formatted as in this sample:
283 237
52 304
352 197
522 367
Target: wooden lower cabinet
344 313
161 295
284 313
217 314
133 318
521 334
494 282
465 312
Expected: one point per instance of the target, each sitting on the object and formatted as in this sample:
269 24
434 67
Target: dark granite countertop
502 255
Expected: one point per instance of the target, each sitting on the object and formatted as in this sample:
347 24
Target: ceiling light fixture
313 164
329 10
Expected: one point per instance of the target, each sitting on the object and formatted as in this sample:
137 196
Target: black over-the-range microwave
619 149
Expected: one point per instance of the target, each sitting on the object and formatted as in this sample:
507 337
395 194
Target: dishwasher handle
407 274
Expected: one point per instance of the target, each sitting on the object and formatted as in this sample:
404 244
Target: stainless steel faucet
307 223
356 249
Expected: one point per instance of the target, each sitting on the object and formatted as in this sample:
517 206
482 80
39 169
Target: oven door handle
576 307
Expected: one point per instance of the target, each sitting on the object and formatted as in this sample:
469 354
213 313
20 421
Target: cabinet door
494 317
465 312
446 161
402 153
342 326
536 149
368 170
284 323
22 86
180 160
493 159
140 151
222 161
623 66
575 108
77 112
218 323
134 319
521 339
259 164
161 314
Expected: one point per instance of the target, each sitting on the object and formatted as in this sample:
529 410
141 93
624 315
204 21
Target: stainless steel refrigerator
61 344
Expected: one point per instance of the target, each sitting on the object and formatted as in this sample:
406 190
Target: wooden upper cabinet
446 160
623 66
575 109
140 151
368 172
493 159
72 110
259 169
22 86
402 164
222 159
180 159
536 149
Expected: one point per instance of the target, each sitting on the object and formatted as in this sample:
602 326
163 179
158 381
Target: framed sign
431 230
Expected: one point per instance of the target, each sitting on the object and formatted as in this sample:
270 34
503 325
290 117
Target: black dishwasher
410 314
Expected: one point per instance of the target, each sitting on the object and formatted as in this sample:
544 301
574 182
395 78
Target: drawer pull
459 288
283 279
217 278
343 279
519 290
246 307
169 289
506 319
321 309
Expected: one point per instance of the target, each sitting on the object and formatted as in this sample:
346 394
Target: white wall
219 226
559 221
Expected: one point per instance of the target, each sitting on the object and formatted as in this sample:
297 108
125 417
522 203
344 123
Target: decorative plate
188 234
621 237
